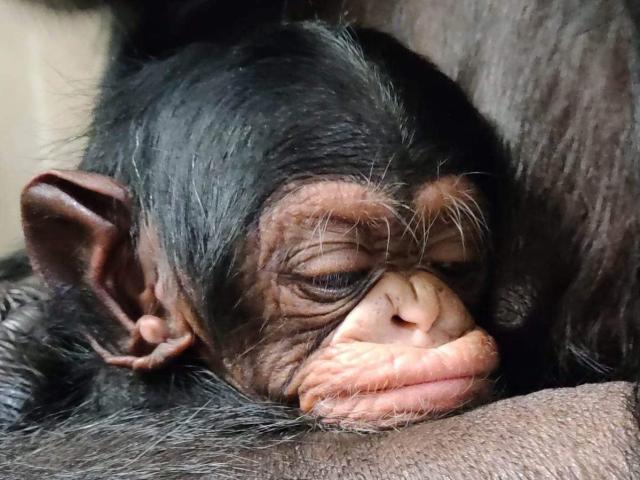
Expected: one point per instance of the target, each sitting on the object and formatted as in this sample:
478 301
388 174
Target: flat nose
404 309
418 304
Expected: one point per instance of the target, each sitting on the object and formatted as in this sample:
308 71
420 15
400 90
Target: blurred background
51 59
53 54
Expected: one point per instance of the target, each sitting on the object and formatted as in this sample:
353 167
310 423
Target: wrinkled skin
584 432
561 87
357 298
363 354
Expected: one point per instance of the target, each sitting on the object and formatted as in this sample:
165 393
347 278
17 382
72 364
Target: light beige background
50 63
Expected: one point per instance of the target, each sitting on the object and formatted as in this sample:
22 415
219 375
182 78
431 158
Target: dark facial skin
328 251
230 436
570 122
358 314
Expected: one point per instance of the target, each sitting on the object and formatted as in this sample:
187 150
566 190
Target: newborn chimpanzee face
363 306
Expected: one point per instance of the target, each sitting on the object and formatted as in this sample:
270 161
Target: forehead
341 200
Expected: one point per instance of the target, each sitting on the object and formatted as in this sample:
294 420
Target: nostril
398 321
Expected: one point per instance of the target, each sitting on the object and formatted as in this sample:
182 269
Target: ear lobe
72 220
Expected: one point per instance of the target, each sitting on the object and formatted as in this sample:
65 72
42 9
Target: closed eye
336 280
333 286
468 279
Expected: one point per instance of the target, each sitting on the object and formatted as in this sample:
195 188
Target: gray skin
507 58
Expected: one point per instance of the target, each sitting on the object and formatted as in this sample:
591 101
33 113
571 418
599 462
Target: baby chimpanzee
297 212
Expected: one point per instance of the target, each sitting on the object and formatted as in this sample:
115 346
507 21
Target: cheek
277 341
382 385
277 331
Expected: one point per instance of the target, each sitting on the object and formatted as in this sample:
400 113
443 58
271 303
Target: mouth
373 385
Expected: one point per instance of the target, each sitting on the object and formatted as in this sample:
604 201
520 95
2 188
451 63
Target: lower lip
436 395
405 404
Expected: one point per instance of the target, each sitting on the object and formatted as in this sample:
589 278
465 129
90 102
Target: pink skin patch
409 349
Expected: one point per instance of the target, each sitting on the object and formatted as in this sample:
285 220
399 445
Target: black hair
204 135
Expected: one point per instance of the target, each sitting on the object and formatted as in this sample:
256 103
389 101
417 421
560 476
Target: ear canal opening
400 322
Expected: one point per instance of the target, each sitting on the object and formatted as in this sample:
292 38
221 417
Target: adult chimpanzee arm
583 432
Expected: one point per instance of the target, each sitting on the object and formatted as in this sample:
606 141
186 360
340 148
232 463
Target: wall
50 63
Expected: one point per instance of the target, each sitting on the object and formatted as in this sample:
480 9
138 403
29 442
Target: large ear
72 221
77 230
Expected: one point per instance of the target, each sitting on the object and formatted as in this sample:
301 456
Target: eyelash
332 286
337 280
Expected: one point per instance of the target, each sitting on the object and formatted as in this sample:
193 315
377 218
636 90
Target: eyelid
322 258
454 250
321 294
340 260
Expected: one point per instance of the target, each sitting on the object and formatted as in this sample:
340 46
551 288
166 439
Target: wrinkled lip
386 408
434 383
399 382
